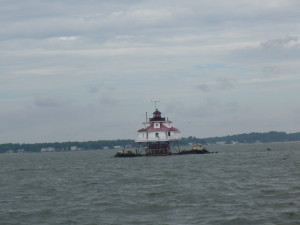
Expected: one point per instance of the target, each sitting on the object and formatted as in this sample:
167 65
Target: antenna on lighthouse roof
155 101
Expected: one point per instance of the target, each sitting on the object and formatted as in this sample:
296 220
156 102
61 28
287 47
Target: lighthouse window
156 134
169 133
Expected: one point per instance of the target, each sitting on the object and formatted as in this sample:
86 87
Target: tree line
66 146
253 137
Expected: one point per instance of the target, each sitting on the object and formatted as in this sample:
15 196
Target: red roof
162 128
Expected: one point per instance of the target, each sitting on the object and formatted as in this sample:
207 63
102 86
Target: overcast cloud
88 70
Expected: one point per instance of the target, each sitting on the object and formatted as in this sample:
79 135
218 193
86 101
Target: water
242 184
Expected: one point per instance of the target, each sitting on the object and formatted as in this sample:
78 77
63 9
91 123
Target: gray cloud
220 84
93 89
203 87
104 55
271 71
108 101
286 42
46 101
225 83
91 18
280 49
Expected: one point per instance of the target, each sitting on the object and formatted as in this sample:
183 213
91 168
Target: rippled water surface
242 184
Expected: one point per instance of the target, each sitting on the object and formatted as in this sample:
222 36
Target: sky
89 70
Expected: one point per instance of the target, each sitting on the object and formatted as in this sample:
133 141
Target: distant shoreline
246 138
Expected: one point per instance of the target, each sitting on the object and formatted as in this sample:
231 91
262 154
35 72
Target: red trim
162 128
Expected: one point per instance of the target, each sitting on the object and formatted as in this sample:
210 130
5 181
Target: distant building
20 151
48 149
74 148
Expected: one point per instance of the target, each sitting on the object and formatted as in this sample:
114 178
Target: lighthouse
158 137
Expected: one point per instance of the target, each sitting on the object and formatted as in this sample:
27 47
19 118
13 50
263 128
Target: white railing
150 139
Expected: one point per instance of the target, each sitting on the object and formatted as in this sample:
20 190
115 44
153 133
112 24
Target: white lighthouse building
158 137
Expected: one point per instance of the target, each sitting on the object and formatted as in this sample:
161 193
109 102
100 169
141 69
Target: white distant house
48 149
75 148
20 151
